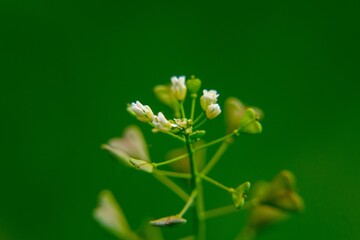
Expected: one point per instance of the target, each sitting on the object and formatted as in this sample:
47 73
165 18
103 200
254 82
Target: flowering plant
270 202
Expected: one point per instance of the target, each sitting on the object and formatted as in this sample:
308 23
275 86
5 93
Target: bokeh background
68 69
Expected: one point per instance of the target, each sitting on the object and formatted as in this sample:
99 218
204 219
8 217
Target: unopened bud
193 84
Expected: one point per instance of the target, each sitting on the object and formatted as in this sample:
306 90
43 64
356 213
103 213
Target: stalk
199 223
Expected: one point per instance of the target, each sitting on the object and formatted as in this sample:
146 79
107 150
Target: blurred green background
68 69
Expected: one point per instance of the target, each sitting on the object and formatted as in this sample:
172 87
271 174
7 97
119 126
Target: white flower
178 87
208 97
212 111
143 113
162 123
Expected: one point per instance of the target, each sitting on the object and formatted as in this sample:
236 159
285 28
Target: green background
68 69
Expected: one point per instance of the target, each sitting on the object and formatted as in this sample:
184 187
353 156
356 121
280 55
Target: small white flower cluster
178 89
208 103
145 114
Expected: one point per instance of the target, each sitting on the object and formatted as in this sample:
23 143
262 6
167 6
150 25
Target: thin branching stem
175 136
182 109
216 141
172 186
193 104
220 211
201 123
170 160
198 118
216 183
169 133
188 203
201 209
199 224
173 174
217 212
218 154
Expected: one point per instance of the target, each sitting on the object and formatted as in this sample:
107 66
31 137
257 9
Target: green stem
216 183
175 136
220 211
169 133
188 203
216 141
182 109
173 174
170 161
198 118
201 209
217 212
172 186
193 104
199 223
218 154
201 123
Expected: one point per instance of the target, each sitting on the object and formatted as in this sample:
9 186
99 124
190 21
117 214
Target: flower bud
212 111
208 97
178 87
193 84
143 113
161 123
